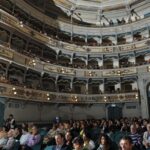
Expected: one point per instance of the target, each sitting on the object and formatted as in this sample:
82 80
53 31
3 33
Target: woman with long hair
105 143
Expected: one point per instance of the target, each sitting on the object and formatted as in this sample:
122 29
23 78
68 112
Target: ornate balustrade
66 26
22 93
10 20
36 64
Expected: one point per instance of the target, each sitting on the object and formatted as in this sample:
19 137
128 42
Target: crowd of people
102 134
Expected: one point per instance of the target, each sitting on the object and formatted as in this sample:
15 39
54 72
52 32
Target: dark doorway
148 98
114 112
2 109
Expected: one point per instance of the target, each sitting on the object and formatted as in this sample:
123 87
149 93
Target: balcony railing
66 26
35 64
10 20
25 94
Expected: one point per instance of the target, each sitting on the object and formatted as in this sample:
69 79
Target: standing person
10 122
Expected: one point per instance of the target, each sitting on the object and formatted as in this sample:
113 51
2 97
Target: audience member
126 143
68 138
60 142
17 133
136 138
105 143
88 143
24 137
10 142
3 137
78 143
10 122
146 137
109 133
33 139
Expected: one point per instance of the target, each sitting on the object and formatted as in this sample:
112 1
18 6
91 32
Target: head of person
148 127
126 143
68 136
11 116
17 131
3 134
78 143
86 136
24 130
59 138
104 139
10 133
34 130
133 129
23 125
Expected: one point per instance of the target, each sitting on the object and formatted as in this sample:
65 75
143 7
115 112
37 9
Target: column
101 88
71 59
115 63
9 40
143 81
71 85
86 61
56 83
87 87
86 37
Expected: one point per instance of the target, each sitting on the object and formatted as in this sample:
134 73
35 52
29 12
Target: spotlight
13 88
15 92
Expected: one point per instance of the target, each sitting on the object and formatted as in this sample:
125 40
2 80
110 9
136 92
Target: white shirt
3 141
24 138
10 143
90 145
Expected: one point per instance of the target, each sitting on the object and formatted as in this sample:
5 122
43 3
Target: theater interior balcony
51 66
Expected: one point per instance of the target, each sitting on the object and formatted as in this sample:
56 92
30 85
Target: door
2 108
114 112
148 99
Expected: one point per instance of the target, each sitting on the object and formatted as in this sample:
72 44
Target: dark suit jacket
64 147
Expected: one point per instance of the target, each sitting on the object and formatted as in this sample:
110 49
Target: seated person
126 143
88 143
10 142
78 143
52 131
33 139
68 138
60 142
24 137
136 138
17 133
3 137
146 137
105 143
